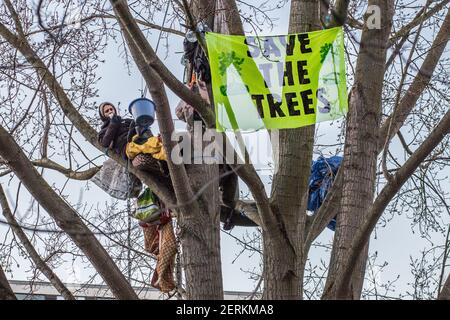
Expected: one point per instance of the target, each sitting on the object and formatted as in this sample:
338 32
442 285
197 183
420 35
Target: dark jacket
115 133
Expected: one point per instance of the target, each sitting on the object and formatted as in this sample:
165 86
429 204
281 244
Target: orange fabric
160 241
151 239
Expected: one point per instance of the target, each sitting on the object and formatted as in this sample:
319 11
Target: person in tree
121 135
115 132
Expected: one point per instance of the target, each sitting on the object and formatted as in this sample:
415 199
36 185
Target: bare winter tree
399 96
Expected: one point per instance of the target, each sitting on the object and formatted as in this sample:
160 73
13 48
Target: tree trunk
445 292
283 244
204 10
65 216
200 234
6 292
197 193
200 237
360 152
228 18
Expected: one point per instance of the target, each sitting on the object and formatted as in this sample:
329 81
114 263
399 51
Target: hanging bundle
147 208
323 172
194 54
149 156
115 180
160 241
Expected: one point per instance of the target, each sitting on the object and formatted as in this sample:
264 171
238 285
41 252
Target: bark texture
6 292
283 242
360 152
198 215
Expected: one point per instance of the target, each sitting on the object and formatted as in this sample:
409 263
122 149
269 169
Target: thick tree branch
193 25
65 216
6 292
416 21
250 209
248 174
50 164
139 46
81 175
360 151
163 191
387 193
445 292
34 255
392 125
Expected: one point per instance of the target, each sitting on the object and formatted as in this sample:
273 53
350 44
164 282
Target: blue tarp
323 171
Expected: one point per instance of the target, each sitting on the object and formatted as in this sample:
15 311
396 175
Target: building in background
26 290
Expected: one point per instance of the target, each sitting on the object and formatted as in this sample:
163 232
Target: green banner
277 81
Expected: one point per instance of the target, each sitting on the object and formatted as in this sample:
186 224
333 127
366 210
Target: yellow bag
152 146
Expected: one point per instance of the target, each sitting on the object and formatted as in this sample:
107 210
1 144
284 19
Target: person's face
108 110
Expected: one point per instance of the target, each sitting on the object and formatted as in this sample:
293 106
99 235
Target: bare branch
139 46
387 193
81 175
418 20
34 255
110 17
75 117
250 210
418 85
65 216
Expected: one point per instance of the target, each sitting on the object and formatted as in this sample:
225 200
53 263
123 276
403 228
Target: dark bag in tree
196 57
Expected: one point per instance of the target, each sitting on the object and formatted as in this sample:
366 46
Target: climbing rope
178 266
129 221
